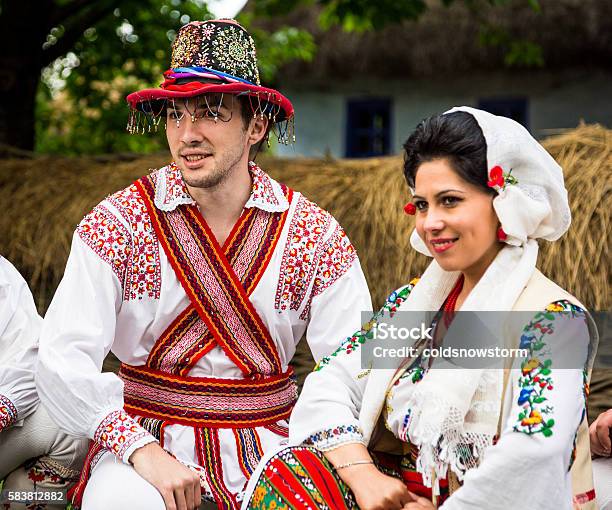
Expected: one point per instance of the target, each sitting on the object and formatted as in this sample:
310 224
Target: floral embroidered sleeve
121 434
329 439
536 379
326 415
8 413
544 406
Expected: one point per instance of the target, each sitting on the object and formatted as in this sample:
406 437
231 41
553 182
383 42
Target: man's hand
178 485
599 434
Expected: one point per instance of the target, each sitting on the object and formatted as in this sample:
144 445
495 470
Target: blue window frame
368 127
516 108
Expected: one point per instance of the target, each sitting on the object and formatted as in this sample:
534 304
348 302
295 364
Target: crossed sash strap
218 282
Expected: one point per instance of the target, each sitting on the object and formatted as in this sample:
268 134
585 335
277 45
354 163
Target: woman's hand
599 434
374 490
419 503
178 485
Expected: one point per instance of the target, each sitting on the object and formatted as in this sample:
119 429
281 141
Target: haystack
45 198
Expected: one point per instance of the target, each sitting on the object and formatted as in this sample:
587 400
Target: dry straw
45 198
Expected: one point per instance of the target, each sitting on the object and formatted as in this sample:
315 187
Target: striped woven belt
208 401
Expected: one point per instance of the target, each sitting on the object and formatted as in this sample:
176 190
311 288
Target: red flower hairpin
410 209
498 179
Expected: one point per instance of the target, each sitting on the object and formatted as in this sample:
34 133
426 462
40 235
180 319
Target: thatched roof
445 41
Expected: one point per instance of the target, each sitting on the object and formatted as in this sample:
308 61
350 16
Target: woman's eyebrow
440 193
451 190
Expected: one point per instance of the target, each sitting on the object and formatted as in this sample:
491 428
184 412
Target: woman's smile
442 244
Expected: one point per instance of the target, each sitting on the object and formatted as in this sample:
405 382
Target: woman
483 192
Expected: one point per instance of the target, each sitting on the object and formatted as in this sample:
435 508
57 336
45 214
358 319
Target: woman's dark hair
455 136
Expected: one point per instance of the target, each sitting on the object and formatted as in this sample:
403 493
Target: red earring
410 209
501 235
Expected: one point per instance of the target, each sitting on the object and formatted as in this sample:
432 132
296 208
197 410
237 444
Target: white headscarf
454 411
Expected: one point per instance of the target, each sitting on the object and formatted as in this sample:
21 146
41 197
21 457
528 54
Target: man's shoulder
126 203
121 215
130 196
304 207
119 230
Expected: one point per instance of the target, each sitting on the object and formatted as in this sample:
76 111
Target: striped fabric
300 478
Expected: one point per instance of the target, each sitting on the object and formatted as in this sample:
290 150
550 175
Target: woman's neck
473 274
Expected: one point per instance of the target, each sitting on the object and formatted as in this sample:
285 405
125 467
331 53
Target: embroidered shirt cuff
329 439
121 434
8 412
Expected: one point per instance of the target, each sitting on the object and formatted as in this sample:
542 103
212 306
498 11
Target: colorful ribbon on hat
203 72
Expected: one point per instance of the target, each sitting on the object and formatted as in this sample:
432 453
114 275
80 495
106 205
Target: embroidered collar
170 190
266 194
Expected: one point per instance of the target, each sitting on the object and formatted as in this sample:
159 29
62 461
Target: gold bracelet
354 463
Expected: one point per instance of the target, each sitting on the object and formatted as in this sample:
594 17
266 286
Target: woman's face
455 219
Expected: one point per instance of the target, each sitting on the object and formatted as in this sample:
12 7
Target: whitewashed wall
555 102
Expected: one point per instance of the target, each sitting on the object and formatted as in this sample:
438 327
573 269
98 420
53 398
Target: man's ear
257 129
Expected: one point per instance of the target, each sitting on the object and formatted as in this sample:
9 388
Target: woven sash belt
208 401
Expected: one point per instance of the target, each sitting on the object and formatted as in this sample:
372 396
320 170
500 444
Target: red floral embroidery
501 235
41 472
262 186
8 412
302 253
337 257
118 432
35 476
176 191
108 237
143 271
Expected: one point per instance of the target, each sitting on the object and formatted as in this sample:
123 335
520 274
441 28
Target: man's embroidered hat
216 56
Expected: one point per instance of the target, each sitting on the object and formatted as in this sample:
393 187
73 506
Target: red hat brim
171 90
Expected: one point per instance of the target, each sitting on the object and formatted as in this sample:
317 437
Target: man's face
206 150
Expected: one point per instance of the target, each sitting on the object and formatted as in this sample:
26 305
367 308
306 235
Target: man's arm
339 295
19 330
77 334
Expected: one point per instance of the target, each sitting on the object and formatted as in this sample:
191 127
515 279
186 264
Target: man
201 278
34 454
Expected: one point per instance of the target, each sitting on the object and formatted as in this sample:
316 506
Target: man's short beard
219 174
210 181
